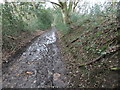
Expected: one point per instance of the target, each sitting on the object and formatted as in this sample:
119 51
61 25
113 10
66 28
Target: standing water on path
39 66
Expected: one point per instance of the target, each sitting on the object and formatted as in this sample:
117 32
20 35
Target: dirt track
39 66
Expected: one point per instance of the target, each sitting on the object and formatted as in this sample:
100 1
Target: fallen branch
100 57
72 41
115 68
11 37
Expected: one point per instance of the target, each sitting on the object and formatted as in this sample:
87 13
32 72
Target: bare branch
61 3
75 4
56 4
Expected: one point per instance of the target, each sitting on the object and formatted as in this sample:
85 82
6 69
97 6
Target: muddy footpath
39 66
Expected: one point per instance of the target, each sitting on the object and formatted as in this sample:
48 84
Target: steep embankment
92 53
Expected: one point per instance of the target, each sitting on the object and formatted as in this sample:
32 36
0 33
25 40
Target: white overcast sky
90 1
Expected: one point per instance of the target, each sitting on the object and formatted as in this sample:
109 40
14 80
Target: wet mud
39 66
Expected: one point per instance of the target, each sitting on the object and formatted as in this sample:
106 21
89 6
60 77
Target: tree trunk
118 19
66 17
67 7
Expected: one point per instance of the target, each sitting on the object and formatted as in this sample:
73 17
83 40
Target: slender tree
118 19
67 7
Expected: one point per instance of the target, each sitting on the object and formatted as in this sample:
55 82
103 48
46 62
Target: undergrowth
22 17
96 35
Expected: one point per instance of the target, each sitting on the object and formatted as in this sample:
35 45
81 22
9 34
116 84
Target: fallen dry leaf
56 76
17 74
29 72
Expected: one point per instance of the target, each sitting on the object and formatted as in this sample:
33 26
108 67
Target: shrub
23 16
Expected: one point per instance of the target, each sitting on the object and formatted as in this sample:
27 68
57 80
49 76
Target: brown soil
99 73
39 66
21 41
